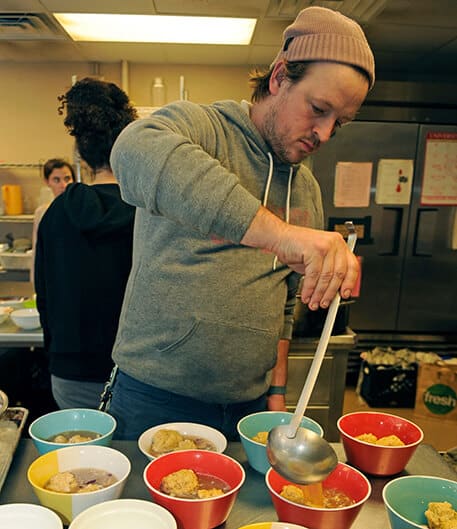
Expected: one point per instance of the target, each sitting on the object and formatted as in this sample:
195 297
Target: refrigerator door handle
424 231
392 225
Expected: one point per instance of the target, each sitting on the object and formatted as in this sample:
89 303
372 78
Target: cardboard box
436 394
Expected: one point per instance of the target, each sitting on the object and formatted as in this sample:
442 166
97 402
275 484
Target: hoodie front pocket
221 355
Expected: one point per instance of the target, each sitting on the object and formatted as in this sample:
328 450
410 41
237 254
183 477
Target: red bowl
344 478
199 513
376 459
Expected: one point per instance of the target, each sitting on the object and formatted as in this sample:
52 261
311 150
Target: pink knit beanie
321 34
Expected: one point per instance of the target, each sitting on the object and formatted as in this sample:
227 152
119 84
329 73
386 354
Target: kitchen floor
442 435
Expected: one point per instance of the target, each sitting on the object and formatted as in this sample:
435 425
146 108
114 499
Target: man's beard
278 141
273 138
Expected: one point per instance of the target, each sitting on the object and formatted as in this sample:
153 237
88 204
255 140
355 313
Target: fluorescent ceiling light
157 28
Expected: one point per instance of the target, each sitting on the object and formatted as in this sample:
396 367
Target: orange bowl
378 460
196 513
344 478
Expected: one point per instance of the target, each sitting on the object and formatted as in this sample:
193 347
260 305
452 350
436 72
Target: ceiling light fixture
157 28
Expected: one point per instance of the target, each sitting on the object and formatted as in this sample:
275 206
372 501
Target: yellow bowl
68 505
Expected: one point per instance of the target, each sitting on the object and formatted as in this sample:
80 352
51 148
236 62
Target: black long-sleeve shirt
83 259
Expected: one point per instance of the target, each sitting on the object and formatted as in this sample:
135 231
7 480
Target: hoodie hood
97 210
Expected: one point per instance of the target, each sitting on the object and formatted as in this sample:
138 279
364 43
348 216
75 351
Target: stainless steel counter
253 503
13 336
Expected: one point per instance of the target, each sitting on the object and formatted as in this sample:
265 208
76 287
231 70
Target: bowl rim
126 502
380 413
195 500
270 412
164 426
35 507
324 509
26 311
400 478
61 412
276 524
56 494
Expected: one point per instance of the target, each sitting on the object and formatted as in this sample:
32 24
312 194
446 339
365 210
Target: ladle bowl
304 459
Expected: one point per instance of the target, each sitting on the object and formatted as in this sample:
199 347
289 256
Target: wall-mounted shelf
20 165
16 218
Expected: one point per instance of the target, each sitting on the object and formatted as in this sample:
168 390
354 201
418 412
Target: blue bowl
264 421
75 419
406 499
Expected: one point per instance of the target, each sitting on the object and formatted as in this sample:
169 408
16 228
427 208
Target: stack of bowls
265 421
46 427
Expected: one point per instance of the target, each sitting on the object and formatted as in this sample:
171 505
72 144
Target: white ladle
298 454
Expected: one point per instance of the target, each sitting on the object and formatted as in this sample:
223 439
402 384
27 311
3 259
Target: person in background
83 251
57 174
228 220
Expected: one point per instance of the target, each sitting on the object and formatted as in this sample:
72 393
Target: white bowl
184 428
69 505
26 318
119 514
28 516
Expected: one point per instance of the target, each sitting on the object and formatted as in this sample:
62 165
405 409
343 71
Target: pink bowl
199 513
375 459
344 478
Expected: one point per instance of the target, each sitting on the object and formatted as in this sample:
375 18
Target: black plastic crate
388 386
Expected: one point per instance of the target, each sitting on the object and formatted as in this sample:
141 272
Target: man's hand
322 257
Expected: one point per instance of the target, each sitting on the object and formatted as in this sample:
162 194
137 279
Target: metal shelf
16 218
20 165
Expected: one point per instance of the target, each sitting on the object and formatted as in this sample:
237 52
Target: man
57 174
227 222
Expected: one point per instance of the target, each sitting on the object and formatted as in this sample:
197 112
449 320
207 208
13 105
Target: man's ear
277 77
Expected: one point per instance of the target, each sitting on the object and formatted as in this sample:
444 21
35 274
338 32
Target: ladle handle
321 349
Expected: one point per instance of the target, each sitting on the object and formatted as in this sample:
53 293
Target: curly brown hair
97 111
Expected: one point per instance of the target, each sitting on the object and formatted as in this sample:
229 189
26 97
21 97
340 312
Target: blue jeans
137 406
76 393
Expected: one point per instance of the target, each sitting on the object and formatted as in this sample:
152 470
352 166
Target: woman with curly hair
84 250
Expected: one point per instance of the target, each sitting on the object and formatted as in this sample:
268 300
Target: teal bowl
71 420
264 421
406 499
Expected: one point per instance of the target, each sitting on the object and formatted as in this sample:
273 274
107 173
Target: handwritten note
394 181
352 184
439 183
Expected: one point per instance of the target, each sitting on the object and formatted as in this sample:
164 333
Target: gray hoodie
202 314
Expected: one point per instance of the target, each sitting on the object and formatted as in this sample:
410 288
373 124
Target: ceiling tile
409 38
233 8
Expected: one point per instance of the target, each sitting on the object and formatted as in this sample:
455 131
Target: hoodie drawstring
267 192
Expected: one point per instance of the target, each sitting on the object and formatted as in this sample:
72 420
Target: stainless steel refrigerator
409 266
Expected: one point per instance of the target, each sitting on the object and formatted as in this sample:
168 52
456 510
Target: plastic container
158 92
